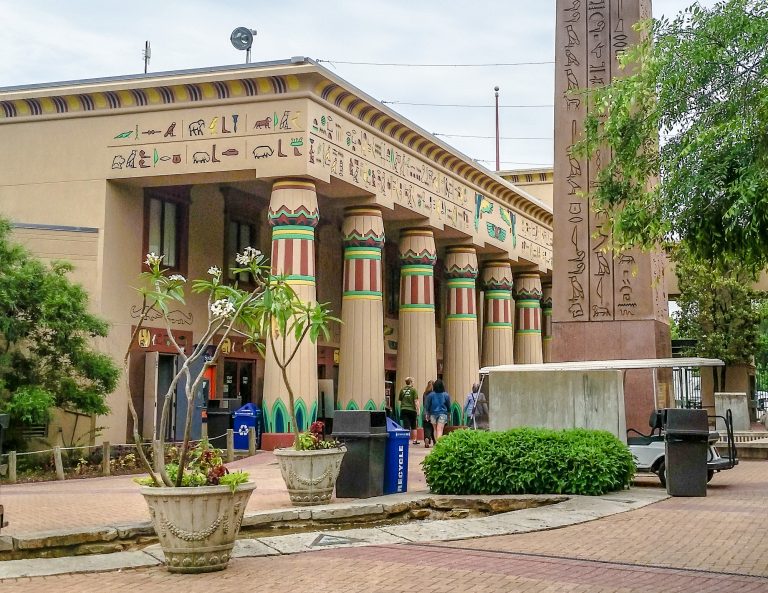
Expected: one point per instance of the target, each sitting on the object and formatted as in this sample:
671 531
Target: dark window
392 279
438 296
239 236
166 215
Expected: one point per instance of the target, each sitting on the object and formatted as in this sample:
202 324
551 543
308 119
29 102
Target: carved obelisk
604 306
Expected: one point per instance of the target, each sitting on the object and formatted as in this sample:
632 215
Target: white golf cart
649 450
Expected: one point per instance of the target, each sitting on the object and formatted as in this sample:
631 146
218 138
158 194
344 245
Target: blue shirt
438 403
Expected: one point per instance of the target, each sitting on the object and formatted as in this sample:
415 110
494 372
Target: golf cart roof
606 365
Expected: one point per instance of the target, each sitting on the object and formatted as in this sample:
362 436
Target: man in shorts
409 408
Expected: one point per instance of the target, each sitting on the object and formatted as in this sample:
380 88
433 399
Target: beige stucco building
434 263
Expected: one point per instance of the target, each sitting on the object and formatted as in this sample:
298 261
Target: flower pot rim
194 490
291 452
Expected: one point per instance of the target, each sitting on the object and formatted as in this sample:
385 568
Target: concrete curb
573 510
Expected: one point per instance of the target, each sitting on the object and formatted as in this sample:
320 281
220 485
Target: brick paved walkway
699 545
43 506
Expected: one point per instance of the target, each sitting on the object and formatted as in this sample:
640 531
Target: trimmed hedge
529 461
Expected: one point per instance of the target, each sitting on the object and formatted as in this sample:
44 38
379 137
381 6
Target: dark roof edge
150 75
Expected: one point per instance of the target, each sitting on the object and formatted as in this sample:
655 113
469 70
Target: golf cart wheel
710 474
661 471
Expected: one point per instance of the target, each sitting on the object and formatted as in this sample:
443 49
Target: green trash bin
364 433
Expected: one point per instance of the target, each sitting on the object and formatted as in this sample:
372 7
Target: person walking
470 407
438 408
429 433
409 408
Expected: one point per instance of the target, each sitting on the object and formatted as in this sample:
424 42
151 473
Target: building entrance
238 381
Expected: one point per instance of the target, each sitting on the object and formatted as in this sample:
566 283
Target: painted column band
293 231
417 341
498 326
461 359
528 344
293 215
361 365
546 321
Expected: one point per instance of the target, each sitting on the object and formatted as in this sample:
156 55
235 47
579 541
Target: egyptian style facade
435 265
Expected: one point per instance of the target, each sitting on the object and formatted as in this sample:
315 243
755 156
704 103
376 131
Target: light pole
498 160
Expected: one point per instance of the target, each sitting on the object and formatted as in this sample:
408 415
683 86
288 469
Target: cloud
49 41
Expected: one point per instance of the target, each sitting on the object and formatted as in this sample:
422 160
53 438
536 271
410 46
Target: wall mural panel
298 137
342 149
270 135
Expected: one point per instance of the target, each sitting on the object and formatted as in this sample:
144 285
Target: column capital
497 275
363 226
461 262
527 286
546 295
293 203
417 246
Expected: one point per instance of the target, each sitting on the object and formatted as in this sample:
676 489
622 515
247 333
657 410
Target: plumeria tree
269 311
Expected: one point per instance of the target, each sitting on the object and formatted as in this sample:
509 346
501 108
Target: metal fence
687 385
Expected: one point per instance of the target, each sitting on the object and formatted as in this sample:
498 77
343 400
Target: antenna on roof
146 54
242 39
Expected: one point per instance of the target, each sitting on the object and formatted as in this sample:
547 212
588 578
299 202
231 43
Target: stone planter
310 475
197 526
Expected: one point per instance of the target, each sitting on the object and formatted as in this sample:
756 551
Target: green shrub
529 461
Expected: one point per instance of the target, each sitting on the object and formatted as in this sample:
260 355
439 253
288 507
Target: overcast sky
53 40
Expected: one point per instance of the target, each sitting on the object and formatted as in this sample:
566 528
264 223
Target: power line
410 65
548 105
514 163
500 137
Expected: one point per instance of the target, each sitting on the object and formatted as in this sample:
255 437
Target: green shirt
407 398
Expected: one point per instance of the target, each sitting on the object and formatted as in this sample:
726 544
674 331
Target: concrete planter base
310 475
197 526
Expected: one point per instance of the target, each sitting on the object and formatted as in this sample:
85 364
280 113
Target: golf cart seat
655 421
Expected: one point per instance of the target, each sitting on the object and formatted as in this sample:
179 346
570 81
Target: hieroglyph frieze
232 137
342 149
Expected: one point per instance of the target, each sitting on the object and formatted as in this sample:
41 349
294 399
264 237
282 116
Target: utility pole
498 158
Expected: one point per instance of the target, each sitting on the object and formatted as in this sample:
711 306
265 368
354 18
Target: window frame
179 196
230 252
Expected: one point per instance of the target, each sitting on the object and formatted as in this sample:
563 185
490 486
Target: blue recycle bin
396 458
246 417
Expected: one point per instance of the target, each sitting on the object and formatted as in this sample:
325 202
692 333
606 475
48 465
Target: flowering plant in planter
266 314
314 439
229 311
205 468
198 535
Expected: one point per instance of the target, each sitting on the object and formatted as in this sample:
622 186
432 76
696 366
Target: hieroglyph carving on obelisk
594 285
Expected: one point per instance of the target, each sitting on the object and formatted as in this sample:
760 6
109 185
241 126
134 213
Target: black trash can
362 470
219 421
686 434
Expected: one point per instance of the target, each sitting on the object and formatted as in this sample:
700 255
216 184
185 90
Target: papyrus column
498 329
546 322
416 348
361 368
528 348
293 215
460 348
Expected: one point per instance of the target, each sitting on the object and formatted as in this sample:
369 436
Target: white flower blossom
153 259
214 271
177 277
222 308
249 254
